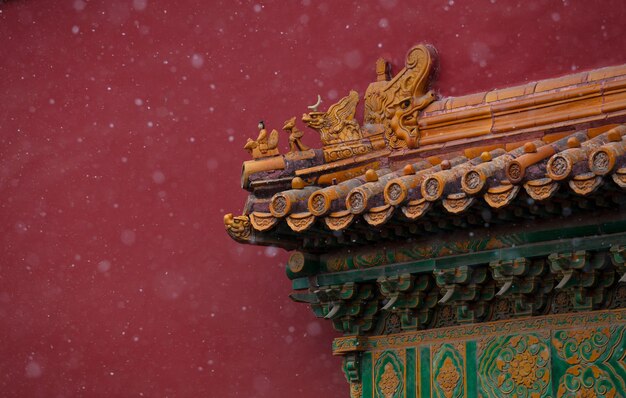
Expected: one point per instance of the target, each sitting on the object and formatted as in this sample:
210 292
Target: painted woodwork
574 162
556 356
463 247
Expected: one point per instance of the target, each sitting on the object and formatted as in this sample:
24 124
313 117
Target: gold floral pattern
588 393
582 346
388 374
516 366
516 358
448 378
448 364
523 368
389 381
587 382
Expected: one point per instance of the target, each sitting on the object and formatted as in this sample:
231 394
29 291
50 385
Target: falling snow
122 132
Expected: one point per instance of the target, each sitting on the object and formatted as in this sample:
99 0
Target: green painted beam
471 369
411 371
424 375
459 243
596 242
366 376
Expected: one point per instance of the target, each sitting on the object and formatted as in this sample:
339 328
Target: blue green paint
411 382
470 367
366 375
424 375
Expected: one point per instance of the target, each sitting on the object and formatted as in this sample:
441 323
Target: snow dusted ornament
447 228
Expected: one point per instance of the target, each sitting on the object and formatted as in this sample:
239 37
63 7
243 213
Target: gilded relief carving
587 382
415 298
515 366
239 228
389 382
448 369
582 346
397 103
295 136
389 375
594 356
337 124
264 145
448 378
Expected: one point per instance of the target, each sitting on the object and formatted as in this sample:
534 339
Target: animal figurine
404 118
295 135
263 146
337 124
238 228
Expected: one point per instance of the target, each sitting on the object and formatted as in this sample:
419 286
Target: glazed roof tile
494 180
421 166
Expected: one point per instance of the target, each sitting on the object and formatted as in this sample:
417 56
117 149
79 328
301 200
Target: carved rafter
584 274
468 289
525 282
556 283
350 306
411 297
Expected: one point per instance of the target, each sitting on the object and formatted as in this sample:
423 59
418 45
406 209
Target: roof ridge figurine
295 145
495 146
263 146
449 231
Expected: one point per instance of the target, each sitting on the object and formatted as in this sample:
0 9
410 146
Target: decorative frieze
502 289
587 276
525 282
414 233
571 355
468 289
411 297
351 307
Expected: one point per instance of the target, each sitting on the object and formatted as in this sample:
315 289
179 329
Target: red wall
121 133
